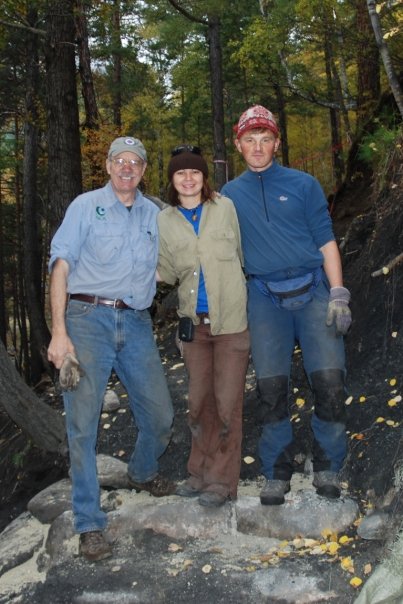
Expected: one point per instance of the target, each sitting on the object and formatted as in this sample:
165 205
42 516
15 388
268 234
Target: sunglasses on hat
184 149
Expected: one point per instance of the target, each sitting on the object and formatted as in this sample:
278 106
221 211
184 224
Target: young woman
200 246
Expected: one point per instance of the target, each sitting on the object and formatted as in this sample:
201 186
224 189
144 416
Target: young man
103 262
295 292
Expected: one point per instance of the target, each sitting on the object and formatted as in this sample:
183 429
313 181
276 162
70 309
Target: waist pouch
292 294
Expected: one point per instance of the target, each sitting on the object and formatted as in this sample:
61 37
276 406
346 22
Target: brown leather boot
94 546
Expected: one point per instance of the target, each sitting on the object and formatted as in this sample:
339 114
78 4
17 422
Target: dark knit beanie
187 161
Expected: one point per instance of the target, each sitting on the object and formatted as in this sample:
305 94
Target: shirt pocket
148 249
107 241
224 244
183 254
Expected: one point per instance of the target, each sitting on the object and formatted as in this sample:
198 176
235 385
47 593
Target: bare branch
186 13
312 98
386 269
32 30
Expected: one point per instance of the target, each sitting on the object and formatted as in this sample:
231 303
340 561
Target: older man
103 261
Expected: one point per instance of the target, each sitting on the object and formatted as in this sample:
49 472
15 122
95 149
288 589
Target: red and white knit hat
256 117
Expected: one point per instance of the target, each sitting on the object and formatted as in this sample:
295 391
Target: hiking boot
273 492
187 490
158 486
94 546
212 500
327 484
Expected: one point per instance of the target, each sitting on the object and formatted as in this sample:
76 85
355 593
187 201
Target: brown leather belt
204 318
116 303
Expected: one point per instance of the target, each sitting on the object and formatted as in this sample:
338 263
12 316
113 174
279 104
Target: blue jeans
274 332
104 339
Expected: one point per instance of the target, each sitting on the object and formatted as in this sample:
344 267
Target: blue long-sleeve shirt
111 252
284 220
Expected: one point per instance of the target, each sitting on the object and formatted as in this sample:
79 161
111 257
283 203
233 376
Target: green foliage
376 146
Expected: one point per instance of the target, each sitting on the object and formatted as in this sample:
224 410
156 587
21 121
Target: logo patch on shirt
283 198
100 213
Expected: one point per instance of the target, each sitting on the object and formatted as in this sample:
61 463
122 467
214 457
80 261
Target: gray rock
173 517
375 526
19 541
61 542
112 472
280 586
51 502
304 513
111 402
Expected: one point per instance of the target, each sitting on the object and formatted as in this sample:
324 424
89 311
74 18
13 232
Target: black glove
338 311
70 372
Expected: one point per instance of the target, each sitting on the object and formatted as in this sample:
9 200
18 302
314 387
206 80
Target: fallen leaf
106 426
347 563
355 582
173 572
300 402
248 459
385 270
392 402
367 569
206 569
379 420
344 539
393 381
333 547
115 569
394 334
362 399
174 547
348 400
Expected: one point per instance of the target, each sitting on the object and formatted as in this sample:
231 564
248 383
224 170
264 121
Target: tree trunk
64 155
217 101
42 423
282 122
368 84
87 82
39 333
117 66
3 314
387 62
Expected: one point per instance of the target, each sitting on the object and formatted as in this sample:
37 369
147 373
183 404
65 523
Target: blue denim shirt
112 252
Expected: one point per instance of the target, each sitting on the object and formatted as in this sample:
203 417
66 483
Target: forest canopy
74 74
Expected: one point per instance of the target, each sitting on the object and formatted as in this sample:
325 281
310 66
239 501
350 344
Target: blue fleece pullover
284 220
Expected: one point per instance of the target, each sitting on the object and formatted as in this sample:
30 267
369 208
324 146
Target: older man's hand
70 372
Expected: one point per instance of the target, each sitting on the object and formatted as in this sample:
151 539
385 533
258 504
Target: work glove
70 372
338 311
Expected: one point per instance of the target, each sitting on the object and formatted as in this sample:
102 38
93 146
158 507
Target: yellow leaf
346 563
344 539
392 381
392 402
362 399
390 422
333 547
378 8
379 420
385 270
300 402
355 581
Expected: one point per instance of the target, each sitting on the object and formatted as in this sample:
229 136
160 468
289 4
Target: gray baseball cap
127 143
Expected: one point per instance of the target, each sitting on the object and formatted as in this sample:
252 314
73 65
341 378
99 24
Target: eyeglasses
121 161
184 148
